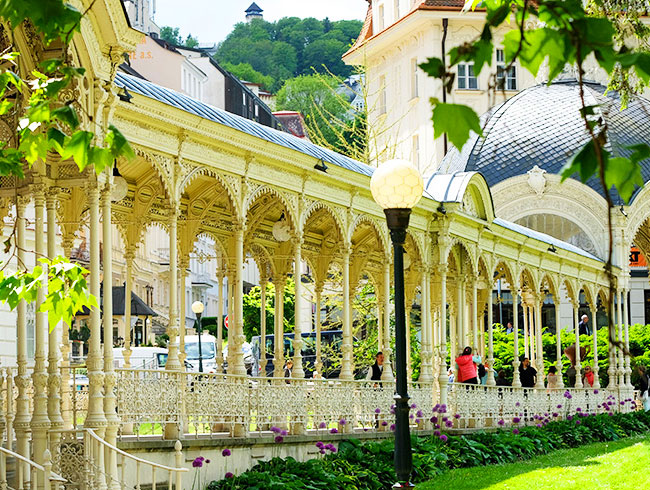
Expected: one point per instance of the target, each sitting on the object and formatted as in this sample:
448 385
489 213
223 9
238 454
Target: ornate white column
558 340
182 279
278 346
524 306
443 378
516 378
380 321
426 354
220 284
490 315
626 321
460 330
22 380
40 422
96 418
594 328
318 290
620 368
236 340
346 365
539 301
611 348
54 375
298 371
263 327
387 372
475 344
173 361
576 320
110 378
129 256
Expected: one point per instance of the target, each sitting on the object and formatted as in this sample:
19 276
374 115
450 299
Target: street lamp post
397 186
197 308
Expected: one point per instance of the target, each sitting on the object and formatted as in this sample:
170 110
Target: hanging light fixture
281 230
120 186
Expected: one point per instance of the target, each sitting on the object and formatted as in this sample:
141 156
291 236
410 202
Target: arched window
560 228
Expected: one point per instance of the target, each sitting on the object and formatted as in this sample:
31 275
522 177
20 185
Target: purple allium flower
226 452
384 423
334 431
284 433
569 417
435 408
516 420
392 427
322 425
322 451
611 414
436 433
517 404
434 419
279 439
342 422
595 392
365 429
443 438
377 410
559 406
411 416
275 429
229 475
198 462
538 425
419 414
457 416
577 422
437 426
448 423
207 461
413 405
333 449
320 445
501 422
444 419
578 409
417 421
555 414
515 431
443 408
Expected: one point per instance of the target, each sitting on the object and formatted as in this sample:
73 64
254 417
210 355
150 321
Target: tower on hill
253 12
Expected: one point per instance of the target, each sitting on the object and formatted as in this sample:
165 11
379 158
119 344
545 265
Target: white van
141 357
208 353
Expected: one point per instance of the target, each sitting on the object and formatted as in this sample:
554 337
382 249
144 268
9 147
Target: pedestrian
644 386
483 373
588 378
552 379
288 368
375 371
467 372
501 378
509 328
571 376
527 374
583 326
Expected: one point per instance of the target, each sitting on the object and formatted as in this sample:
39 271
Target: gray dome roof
542 126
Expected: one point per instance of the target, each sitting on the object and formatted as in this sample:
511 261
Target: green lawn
608 466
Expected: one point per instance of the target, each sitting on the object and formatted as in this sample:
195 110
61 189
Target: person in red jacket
467 372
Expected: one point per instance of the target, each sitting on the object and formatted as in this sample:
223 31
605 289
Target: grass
603 466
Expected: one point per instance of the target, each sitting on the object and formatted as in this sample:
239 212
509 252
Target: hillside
290 47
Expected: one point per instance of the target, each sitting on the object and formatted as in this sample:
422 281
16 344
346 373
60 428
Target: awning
138 307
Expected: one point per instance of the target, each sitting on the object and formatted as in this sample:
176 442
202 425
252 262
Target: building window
382 94
380 20
396 11
415 89
466 78
506 79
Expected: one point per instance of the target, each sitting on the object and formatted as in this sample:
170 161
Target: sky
212 20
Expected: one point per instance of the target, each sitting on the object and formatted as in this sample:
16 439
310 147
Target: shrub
369 466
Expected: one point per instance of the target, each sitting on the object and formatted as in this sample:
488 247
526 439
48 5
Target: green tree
171 35
253 307
191 41
45 123
325 111
290 47
244 71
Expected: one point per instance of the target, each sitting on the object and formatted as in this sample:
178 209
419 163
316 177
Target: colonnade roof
191 105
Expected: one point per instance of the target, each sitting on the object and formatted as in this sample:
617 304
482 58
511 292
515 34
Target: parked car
208 353
249 359
331 341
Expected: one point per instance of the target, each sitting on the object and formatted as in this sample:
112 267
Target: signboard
225 321
636 258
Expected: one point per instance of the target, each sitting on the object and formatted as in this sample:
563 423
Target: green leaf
625 175
583 162
78 148
5 105
434 67
66 115
101 158
118 144
455 120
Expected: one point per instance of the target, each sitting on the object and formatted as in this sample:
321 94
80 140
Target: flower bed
369 466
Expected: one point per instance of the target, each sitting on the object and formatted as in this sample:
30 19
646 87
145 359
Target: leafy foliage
244 71
172 36
369 466
290 47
